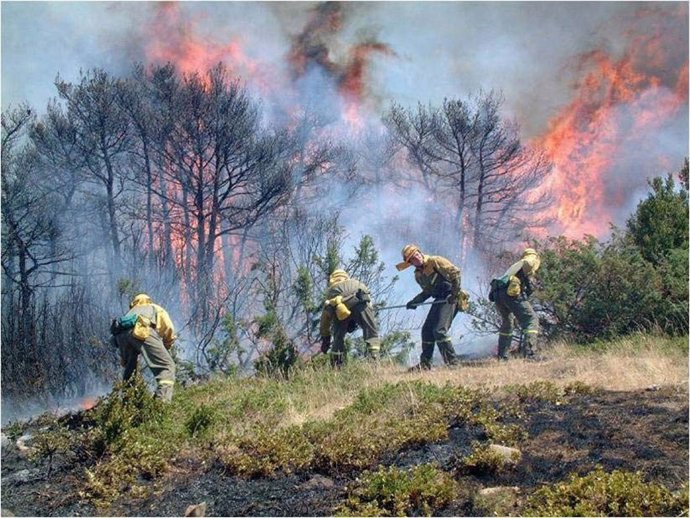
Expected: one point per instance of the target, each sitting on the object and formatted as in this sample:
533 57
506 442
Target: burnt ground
644 431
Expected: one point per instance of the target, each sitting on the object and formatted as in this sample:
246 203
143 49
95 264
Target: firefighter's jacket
524 270
348 290
438 278
160 319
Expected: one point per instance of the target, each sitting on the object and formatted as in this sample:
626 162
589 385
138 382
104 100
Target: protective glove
325 344
411 305
452 299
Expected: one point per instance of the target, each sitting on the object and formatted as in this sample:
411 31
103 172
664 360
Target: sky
601 85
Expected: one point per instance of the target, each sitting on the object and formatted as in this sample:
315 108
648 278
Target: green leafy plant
422 490
201 419
484 461
598 493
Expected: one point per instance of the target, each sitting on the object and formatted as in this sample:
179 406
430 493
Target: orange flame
88 403
177 40
619 103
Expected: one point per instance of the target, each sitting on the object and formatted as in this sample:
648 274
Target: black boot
503 346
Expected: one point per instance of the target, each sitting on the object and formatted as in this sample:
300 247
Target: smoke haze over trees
229 192
179 185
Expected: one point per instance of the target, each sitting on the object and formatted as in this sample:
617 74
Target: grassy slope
348 420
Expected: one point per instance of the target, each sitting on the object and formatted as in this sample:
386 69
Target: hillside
373 439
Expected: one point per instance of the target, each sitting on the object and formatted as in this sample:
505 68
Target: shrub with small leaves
128 406
129 441
201 419
55 439
483 461
598 493
422 490
539 391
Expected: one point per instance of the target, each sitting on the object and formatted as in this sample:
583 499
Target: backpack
496 284
122 324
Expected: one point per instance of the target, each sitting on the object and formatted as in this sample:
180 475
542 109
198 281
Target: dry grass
626 365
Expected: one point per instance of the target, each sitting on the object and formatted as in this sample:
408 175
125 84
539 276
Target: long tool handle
405 305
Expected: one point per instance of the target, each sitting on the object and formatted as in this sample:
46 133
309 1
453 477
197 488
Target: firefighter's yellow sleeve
326 319
514 268
164 326
449 271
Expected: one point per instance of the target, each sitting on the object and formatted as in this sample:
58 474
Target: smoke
602 85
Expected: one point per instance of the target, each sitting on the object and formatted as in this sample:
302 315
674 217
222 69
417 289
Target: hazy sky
525 49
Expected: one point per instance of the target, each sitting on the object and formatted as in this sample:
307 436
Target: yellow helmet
337 276
407 252
531 259
140 300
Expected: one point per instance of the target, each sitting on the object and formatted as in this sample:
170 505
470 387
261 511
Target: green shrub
599 493
201 419
489 417
379 421
128 406
264 452
141 458
422 490
483 461
637 281
132 439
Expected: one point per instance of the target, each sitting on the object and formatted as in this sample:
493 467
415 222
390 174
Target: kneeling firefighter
348 305
440 279
511 294
147 329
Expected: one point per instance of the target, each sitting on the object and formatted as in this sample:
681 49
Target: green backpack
122 324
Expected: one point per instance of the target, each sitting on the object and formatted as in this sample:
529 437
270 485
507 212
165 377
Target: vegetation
352 423
419 491
234 225
638 281
607 494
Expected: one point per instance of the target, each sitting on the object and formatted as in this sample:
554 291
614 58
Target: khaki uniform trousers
156 356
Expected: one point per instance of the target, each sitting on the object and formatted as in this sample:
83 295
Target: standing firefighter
147 329
440 279
348 305
511 295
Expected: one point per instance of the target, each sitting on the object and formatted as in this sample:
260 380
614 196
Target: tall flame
177 40
618 107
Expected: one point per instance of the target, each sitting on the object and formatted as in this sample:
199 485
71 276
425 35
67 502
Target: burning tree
472 162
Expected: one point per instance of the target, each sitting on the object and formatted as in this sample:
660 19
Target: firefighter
147 329
348 305
440 279
511 295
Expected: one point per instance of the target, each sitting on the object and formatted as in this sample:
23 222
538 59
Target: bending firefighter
348 305
511 295
440 279
147 330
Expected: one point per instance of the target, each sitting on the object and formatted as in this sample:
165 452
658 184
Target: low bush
422 490
484 461
133 437
201 419
598 493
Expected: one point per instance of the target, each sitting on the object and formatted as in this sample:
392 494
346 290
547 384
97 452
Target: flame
88 403
315 47
618 106
177 40
352 83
